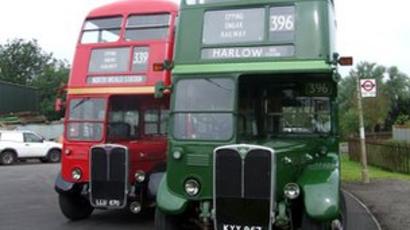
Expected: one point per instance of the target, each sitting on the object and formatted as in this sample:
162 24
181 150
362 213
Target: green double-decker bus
253 141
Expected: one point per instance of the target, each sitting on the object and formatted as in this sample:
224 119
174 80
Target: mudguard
320 183
169 202
62 186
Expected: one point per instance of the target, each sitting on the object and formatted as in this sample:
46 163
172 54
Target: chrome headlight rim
192 187
140 176
76 174
291 191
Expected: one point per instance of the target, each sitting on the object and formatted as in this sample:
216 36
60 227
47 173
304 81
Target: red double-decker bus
115 129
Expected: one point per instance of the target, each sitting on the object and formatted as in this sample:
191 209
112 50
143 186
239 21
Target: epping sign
368 87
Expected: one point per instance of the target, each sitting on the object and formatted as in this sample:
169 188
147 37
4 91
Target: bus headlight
177 155
140 176
76 174
192 187
292 191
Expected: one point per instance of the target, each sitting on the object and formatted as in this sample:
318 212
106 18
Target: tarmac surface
28 201
389 200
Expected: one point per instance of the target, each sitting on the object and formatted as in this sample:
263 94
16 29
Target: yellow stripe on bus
113 90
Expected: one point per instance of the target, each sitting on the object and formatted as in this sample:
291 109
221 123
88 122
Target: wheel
54 156
75 207
309 224
165 222
8 158
343 214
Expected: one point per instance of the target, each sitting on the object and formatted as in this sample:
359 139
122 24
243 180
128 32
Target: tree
48 84
25 62
380 112
21 61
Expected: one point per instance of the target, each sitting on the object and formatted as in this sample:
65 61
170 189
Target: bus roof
134 6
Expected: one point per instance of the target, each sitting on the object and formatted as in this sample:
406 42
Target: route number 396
318 89
281 23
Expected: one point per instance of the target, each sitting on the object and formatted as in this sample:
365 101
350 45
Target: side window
31 138
151 121
164 121
155 121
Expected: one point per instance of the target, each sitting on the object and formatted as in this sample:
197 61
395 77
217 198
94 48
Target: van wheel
165 222
75 207
8 158
54 156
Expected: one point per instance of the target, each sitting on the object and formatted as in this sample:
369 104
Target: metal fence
390 156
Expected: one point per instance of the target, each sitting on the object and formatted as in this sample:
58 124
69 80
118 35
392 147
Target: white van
16 145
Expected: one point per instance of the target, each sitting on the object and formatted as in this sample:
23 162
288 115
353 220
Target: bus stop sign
368 88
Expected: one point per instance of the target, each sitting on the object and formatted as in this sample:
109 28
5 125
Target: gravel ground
388 200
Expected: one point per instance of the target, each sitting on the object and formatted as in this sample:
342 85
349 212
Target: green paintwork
298 158
314 38
171 203
320 183
257 67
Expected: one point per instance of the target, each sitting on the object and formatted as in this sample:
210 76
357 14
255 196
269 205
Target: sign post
365 88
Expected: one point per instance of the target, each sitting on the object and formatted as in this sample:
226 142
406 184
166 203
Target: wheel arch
11 150
320 185
54 148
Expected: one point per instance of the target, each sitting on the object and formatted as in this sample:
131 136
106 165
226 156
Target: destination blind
249 26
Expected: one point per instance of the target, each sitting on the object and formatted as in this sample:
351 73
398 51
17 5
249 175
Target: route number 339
280 23
140 57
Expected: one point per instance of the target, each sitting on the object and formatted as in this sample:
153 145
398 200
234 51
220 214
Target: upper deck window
148 27
101 30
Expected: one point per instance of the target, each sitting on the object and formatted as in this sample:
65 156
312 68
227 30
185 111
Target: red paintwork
146 152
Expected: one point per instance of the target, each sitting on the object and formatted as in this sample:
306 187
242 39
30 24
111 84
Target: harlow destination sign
368 88
248 52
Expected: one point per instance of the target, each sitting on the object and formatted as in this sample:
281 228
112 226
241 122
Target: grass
351 172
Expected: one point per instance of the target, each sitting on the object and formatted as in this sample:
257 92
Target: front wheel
8 158
54 156
165 222
75 207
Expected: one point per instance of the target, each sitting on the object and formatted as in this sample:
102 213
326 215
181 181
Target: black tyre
165 222
75 207
8 158
54 156
310 224
343 212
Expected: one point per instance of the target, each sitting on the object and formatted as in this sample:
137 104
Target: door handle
27 144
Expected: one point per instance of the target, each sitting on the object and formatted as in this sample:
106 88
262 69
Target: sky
369 30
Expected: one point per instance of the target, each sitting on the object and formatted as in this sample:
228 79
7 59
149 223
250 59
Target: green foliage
25 62
48 84
380 112
402 120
